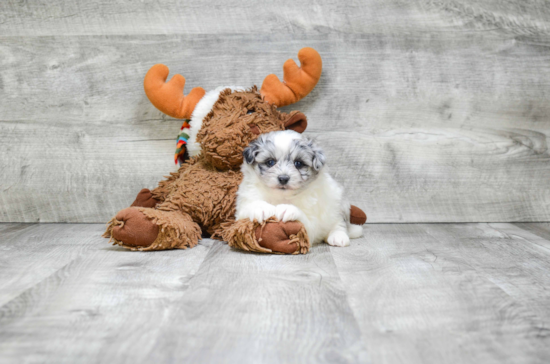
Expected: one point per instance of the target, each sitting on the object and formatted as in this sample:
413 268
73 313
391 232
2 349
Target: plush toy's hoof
281 237
145 199
132 229
357 216
145 229
270 237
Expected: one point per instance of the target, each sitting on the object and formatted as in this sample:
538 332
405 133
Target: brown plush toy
200 196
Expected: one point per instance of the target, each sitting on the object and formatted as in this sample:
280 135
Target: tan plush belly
207 195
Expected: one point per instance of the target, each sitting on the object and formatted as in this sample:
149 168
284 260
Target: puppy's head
284 160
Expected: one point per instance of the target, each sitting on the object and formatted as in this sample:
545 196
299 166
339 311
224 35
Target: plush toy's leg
270 237
139 228
357 216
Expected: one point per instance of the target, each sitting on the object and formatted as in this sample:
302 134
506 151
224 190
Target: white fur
319 205
203 108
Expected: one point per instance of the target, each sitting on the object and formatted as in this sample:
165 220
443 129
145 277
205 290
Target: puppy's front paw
338 238
259 211
286 213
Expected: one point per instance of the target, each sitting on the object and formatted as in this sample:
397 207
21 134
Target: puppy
284 175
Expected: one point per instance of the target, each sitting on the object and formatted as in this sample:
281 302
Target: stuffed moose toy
200 197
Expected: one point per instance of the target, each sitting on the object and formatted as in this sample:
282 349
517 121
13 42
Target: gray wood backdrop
430 111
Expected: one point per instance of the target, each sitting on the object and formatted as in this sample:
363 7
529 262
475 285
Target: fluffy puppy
284 175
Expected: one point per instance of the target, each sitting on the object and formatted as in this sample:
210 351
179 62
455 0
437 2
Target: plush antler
168 96
298 81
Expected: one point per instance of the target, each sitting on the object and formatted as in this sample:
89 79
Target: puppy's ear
250 152
297 122
319 159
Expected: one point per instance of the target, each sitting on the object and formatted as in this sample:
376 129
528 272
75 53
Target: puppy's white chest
306 203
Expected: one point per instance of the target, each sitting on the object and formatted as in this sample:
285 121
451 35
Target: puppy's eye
251 111
298 164
270 163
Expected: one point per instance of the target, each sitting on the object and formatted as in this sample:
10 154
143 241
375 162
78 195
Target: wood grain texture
430 111
540 229
254 308
523 17
60 17
429 293
67 296
468 293
90 302
80 17
406 146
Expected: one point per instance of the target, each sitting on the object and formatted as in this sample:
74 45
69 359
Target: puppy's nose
283 179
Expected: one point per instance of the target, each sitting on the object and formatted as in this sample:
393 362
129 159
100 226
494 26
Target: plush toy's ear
296 122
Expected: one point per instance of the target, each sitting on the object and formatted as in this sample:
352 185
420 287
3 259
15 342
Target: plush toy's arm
271 236
165 187
148 198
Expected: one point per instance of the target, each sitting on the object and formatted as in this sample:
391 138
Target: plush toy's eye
270 163
252 111
298 164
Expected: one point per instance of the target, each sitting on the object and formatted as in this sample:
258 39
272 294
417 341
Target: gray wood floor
410 293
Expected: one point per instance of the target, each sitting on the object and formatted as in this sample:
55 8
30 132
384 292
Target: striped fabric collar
181 143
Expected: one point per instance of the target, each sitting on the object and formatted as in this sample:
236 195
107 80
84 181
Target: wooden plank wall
430 111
